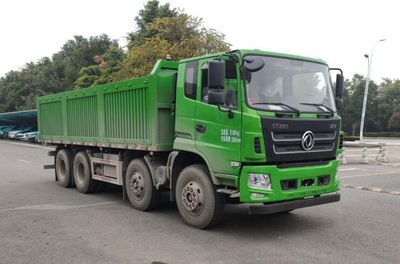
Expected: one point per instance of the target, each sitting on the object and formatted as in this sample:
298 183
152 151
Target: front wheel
198 202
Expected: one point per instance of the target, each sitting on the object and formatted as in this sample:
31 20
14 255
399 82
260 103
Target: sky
339 32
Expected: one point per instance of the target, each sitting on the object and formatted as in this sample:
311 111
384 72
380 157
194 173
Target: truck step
48 167
227 191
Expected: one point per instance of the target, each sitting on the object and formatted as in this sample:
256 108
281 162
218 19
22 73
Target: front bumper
295 204
297 174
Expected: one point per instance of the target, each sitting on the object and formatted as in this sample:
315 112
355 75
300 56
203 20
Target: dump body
131 114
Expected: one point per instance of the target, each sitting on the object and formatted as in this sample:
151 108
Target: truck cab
265 124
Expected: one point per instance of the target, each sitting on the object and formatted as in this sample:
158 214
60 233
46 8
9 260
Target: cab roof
244 52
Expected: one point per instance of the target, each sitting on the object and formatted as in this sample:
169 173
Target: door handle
200 128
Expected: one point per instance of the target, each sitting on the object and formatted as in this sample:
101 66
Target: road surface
41 222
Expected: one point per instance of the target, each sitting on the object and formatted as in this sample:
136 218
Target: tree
389 100
78 53
110 64
87 76
18 89
150 13
106 68
394 122
182 36
353 100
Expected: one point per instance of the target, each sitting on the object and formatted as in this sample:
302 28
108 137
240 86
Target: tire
82 173
139 186
198 202
63 162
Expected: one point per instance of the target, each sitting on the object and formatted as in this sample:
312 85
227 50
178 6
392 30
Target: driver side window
231 83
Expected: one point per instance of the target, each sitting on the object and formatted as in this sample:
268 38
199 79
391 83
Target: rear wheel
198 202
63 164
139 186
82 173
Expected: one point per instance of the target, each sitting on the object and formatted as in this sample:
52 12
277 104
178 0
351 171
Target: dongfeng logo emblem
308 140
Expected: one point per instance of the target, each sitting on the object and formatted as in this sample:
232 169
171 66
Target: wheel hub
81 174
62 170
136 185
192 197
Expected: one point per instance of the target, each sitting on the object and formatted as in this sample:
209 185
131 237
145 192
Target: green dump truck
245 126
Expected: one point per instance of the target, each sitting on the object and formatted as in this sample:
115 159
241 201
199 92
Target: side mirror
216 75
253 64
339 85
339 103
215 97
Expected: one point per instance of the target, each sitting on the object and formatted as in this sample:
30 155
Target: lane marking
371 189
347 169
25 161
55 206
370 174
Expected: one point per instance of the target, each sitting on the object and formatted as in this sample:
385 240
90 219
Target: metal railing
381 154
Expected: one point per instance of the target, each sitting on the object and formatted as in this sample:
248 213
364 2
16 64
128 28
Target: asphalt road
41 222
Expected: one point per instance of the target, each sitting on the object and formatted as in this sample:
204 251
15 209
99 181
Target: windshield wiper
328 108
294 110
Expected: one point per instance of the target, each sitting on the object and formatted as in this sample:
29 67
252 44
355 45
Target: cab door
218 129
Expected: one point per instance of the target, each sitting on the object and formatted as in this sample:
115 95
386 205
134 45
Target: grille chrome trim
302 151
299 139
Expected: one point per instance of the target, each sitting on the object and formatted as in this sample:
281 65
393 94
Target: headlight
260 181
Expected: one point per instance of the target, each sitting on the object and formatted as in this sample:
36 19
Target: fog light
257 196
323 180
259 181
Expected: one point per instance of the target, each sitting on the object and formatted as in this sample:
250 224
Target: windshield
287 84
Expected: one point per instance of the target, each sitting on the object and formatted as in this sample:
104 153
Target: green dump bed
131 114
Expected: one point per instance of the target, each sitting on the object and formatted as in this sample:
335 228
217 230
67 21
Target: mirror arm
336 69
233 56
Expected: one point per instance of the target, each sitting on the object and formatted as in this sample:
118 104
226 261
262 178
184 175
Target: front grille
283 139
286 142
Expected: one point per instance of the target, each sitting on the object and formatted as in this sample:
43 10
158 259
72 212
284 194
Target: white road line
347 169
25 161
55 206
370 174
